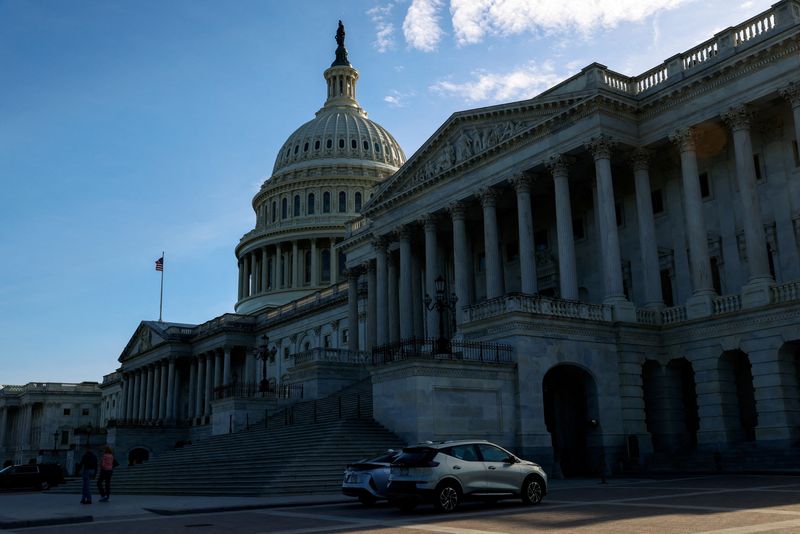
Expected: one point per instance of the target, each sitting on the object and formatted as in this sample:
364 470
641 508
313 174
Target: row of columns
150 393
738 119
20 432
280 266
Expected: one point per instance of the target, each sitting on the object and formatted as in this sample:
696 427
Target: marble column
217 368
567 270
209 394
171 390
127 386
135 407
611 259
241 279
226 369
431 270
393 299
157 398
648 245
416 298
406 305
148 391
162 402
491 244
334 262
700 304
792 94
527 249
295 264
382 295
264 270
372 308
462 264
192 388
314 263
352 309
277 271
757 293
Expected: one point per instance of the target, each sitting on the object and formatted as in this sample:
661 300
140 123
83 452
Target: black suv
34 476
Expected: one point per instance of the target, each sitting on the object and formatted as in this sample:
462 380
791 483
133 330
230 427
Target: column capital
600 146
640 159
521 182
369 267
429 221
792 93
737 118
380 243
684 138
457 210
353 273
488 196
404 233
558 165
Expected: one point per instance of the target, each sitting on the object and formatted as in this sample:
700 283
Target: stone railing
331 355
318 297
442 350
538 305
253 389
780 15
645 316
226 319
786 292
112 377
675 314
727 304
356 226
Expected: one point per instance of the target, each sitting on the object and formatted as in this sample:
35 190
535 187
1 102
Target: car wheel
447 497
532 491
367 500
43 485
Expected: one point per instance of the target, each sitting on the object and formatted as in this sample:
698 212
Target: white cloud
524 82
421 25
397 99
384 29
473 20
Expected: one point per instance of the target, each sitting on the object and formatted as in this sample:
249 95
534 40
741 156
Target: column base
757 292
700 304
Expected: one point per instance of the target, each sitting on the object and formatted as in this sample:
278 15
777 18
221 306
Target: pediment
471 135
142 341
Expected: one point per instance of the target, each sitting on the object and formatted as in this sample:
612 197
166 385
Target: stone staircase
300 450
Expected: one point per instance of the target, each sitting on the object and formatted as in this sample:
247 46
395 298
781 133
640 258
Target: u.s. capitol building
603 273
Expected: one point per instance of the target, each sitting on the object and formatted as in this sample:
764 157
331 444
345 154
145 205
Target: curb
241 508
46 522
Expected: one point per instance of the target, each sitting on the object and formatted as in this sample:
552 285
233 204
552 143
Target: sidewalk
32 509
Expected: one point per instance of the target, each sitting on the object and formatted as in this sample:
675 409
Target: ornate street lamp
441 304
264 353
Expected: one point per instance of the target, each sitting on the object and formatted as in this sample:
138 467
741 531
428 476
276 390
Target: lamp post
89 433
441 303
55 442
264 353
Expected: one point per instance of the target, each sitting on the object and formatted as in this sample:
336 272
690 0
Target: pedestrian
107 465
88 468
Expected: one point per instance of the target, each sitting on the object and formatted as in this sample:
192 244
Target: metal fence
252 389
437 349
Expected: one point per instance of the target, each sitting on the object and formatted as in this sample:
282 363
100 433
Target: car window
463 452
6 470
491 453
412 456
26 469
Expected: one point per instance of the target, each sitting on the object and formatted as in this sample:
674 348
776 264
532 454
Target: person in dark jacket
88 469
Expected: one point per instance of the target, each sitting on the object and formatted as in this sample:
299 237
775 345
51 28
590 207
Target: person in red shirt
107 465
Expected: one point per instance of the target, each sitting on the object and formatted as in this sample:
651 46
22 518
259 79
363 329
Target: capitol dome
323 174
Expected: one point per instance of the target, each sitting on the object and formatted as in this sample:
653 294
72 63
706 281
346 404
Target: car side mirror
511 460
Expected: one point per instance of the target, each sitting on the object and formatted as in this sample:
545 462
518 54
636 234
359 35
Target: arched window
353 143
307 267
342 202
296 148
326 202
316 144
296 210
329 143
305 147
310 206
366 145
358 201
274 210
341 143
284 208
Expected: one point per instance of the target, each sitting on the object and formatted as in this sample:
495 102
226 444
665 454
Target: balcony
442 350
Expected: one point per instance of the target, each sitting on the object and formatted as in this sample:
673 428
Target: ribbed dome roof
340 132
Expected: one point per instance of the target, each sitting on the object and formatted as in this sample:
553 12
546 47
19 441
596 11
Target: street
702 504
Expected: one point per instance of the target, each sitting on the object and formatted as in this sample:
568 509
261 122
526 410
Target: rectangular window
345 336
327 341
578 231
285 353
619 212
666 288
757 166
705 185
512 251
481 262
65 437
540 239
85 411
67 411
657 200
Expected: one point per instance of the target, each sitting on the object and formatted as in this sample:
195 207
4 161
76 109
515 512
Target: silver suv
446 472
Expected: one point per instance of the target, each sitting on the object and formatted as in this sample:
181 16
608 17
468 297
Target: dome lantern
341 77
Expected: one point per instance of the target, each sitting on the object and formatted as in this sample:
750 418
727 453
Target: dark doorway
738 395
570 405
138 455
670 405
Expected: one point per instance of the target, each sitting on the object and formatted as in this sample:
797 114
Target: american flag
160 264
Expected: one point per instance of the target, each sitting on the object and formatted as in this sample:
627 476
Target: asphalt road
718 504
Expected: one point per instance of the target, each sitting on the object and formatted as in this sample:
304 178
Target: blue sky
132 127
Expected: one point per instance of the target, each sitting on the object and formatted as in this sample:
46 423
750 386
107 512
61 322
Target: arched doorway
670 403
570 406
738 395
138 455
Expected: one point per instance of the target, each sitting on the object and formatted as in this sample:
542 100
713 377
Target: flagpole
161 299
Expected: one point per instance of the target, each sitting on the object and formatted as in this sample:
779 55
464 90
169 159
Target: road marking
764 527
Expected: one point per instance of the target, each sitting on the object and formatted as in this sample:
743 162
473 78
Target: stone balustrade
672 315
318 297
331 355
786 292
727 304
537 305
649 317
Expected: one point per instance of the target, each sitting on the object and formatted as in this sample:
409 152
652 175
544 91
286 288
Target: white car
445 473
